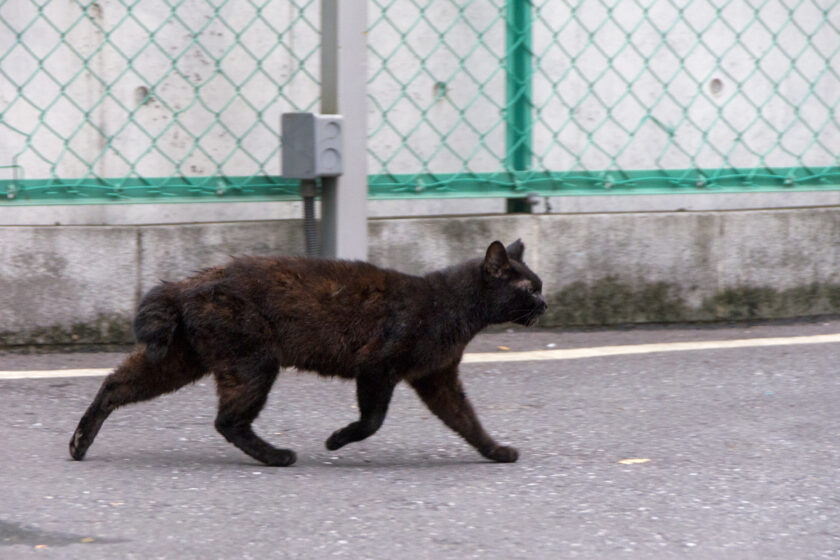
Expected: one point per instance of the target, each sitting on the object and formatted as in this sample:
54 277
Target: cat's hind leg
137 379
373 394
444 395
243 391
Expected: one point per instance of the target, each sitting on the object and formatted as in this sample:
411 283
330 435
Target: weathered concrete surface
419 245
614 268
65 285
73 284
171 252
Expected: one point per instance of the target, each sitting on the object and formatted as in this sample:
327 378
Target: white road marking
53 373
534 355
596 352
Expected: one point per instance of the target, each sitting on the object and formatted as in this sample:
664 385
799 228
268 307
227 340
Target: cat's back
289 272
322 314
321 279
330 316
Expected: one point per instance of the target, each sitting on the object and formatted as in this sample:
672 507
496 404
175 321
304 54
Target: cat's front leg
444 395
373 393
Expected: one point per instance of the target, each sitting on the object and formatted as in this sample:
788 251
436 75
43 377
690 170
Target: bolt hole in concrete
716 86
141 95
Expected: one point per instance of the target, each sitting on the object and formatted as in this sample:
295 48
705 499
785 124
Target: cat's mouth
530 319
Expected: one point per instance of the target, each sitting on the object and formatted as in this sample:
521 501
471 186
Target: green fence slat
518 106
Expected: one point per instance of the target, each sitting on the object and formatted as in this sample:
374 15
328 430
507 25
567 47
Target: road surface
674 451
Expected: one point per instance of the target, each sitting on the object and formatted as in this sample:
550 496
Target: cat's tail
156 320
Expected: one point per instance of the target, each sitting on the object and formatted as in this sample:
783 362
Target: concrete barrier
81 284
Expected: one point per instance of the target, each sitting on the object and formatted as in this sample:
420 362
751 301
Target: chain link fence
168 99
599 96
122 99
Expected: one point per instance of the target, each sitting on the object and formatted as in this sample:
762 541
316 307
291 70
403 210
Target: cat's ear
496 262
515 250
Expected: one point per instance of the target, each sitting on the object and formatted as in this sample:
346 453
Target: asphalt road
742 450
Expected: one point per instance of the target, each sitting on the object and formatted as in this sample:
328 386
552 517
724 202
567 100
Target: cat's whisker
524 315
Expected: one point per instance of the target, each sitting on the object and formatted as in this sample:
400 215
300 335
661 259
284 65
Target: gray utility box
311 145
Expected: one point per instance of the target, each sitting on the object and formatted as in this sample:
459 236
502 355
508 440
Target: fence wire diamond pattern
153 96
629 96
173 99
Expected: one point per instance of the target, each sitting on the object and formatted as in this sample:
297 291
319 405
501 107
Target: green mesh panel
180 100
596 97
151 99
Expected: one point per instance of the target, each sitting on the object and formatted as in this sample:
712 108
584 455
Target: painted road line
535 355
54 373
600 351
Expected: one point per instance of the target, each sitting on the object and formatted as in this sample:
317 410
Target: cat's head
514 292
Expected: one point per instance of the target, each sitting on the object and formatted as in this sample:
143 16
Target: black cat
246 320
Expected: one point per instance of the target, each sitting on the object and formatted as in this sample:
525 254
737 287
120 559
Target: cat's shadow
193 460
389 463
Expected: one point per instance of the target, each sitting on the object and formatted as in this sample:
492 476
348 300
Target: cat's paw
502 454
79 445
279 458
336 440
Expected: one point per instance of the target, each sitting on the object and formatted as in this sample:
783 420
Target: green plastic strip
427 185
638 182
150 190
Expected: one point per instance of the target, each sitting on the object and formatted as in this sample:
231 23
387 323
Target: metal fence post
519 70
518 118
343 91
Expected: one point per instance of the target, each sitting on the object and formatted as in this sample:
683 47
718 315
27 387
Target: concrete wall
74 284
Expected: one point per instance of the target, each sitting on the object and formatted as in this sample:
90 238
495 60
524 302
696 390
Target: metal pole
343 91
518 121
308 191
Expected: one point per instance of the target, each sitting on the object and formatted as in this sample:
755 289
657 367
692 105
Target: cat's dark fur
246 320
